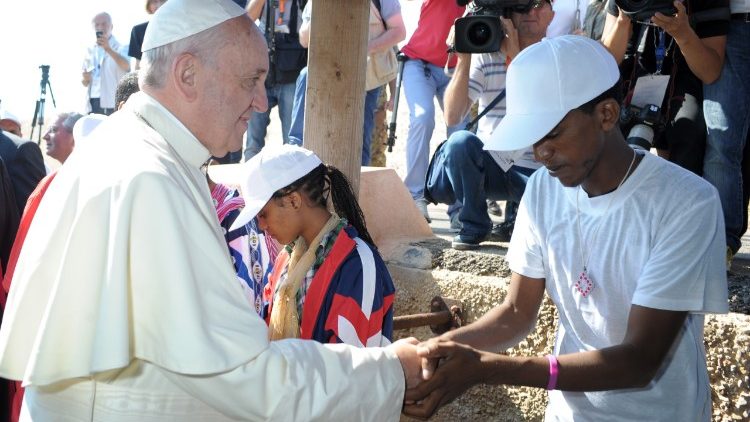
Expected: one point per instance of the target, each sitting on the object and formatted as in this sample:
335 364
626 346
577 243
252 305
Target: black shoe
464 242
494 208
502 232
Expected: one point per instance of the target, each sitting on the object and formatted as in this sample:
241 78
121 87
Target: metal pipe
420 320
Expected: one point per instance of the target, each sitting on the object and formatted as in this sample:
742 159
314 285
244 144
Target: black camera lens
479 33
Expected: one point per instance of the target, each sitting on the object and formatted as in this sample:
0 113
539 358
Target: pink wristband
552 383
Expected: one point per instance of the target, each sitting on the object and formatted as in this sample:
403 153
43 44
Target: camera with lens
643 10
99 34
647 124
480 31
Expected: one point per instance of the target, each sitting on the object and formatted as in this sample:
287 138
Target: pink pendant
584 285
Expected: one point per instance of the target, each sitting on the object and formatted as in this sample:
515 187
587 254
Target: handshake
439 370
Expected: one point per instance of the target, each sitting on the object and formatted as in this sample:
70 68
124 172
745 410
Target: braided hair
324 180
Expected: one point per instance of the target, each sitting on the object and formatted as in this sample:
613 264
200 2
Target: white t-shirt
486 81
660 245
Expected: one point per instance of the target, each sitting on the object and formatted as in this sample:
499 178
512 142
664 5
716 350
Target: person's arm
704 56
304 34
121 61
395 32
631 364
255 8
456 100
617 32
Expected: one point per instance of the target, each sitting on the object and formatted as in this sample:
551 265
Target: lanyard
660 50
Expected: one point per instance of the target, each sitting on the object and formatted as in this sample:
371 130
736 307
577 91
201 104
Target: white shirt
125 287
660 245
486 81
105 72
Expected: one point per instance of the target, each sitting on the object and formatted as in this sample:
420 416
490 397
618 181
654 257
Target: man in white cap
124 303
10 123
629 247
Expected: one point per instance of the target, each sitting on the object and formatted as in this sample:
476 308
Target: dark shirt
647 60
25 164
136 40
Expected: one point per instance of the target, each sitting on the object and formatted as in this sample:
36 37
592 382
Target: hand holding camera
101 40
677 26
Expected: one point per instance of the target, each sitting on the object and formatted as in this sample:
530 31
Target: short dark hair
127 86
615 92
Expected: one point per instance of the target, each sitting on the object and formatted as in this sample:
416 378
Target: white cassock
125 306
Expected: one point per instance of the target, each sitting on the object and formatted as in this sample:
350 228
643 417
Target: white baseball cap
273 168
7 115
546 81
179 19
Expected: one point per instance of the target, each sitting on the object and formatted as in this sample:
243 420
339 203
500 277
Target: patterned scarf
284 321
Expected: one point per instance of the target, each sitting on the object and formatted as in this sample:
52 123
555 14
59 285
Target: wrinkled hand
510 46
678 26
406 350
459 369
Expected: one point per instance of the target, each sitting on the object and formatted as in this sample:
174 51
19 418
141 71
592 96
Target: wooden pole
335 96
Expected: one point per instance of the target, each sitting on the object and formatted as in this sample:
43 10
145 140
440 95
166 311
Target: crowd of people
139 288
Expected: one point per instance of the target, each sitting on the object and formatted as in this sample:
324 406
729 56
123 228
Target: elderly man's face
102 23
535 22
59 140
233 88
10 126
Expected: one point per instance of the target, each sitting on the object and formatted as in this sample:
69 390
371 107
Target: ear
608 113
184 70
294 200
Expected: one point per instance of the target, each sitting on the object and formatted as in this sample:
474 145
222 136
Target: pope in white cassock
125 305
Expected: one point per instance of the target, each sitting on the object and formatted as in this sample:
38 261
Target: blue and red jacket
350 299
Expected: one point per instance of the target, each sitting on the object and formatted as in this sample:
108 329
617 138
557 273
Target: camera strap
490 106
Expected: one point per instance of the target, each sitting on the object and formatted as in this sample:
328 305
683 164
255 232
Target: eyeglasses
533 5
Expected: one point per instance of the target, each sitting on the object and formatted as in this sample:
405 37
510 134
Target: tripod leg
33 121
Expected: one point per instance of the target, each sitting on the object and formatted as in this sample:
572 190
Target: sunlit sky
55 33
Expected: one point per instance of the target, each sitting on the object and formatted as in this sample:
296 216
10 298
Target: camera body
647 125
643 10
480 31
99 34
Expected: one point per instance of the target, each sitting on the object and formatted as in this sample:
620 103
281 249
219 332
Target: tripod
38 119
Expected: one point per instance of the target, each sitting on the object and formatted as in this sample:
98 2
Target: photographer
424 80
689 56
470 173
104 65
280 21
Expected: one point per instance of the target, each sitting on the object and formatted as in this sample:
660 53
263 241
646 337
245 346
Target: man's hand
86 78
460 368
510 45
406 350
678 26
103 42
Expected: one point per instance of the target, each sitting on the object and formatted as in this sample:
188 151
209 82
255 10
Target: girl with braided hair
329 283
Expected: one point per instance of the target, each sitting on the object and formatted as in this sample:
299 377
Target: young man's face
571 150
534 23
